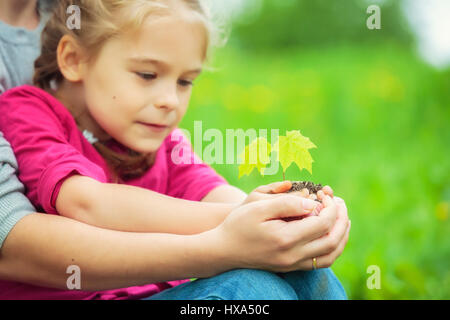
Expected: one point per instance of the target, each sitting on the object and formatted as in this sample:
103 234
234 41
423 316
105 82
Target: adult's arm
13 203
40 247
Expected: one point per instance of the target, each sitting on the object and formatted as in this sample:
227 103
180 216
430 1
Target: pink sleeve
38 136
189 177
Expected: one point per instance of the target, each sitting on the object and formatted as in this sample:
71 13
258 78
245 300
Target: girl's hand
277 189
268 191
326 191
255 236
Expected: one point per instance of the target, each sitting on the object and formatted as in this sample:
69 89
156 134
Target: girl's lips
155 127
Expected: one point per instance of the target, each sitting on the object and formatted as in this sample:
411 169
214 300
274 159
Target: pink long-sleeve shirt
49 147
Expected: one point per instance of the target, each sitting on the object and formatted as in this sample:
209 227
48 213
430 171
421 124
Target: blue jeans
252 284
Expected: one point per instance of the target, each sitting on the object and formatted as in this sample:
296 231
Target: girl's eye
146 76
185 83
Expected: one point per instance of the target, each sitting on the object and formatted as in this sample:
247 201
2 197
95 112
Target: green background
379 115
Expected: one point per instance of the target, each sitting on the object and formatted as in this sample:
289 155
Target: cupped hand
254 235
327 248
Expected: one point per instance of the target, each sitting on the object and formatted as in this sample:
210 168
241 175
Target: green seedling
292 148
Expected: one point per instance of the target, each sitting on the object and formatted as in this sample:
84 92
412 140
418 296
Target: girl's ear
70 58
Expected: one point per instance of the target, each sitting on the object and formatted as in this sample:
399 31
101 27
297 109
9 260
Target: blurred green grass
380 118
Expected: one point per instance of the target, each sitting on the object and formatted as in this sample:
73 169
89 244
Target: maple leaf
294 148
255 155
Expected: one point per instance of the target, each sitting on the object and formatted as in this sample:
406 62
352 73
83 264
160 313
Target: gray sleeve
2 78
14 205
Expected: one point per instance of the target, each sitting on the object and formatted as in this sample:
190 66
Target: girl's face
139 86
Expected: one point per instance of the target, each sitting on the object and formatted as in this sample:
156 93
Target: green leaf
255 155
293 148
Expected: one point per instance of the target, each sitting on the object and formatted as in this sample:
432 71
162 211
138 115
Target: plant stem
284 178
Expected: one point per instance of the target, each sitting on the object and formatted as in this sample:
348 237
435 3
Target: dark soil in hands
300 185
312 188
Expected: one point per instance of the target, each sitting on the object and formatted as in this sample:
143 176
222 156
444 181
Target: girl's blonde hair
101 20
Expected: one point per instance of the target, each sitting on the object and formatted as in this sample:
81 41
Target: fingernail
309 204
320 194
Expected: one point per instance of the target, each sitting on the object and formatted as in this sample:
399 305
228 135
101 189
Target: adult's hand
254 235
330 246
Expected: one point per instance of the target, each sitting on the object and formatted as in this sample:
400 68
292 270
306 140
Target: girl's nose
168 99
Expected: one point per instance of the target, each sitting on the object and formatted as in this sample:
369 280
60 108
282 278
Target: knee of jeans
331 286
320 284
253 284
